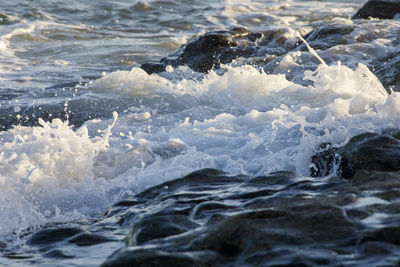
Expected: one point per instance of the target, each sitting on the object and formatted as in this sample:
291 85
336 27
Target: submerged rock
367 151
381 9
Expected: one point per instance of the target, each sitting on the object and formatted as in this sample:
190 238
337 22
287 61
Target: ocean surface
83 127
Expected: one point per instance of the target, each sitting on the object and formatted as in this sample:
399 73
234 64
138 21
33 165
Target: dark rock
323 160
209 218
205 52
370 151
387 70
200 178
390 194
52 235
275 178
120 206
233 231
57 253
376 248
382 9
2 246
386 234
209 207
239 233
327 36
151 257
209 51
89 239
153 67
154 227
367 151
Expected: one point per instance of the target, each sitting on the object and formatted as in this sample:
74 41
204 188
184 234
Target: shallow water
84 127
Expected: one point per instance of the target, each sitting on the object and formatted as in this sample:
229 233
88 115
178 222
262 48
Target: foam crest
45 169
264 122
51 152
249 87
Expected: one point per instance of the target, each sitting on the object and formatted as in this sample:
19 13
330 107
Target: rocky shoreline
346 214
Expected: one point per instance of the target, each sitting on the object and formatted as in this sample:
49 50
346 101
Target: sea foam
239 119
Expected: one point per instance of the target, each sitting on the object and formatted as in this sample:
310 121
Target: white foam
45 170
275 109
241 121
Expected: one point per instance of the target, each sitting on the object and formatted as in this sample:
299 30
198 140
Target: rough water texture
288 153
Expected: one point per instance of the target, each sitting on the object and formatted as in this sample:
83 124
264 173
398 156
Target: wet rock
52 235
153 67
323 161
210 218
387 70
210 50
88 239
206 51
376 248
2 246
57 253
370 151
207 208
152 257
367 151
204 178
387 234
327 36
230 226
154 227
382 9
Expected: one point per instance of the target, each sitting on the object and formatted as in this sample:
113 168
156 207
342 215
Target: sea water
241 119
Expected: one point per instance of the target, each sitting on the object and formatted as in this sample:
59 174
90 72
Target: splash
41 167
239 119
256 123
